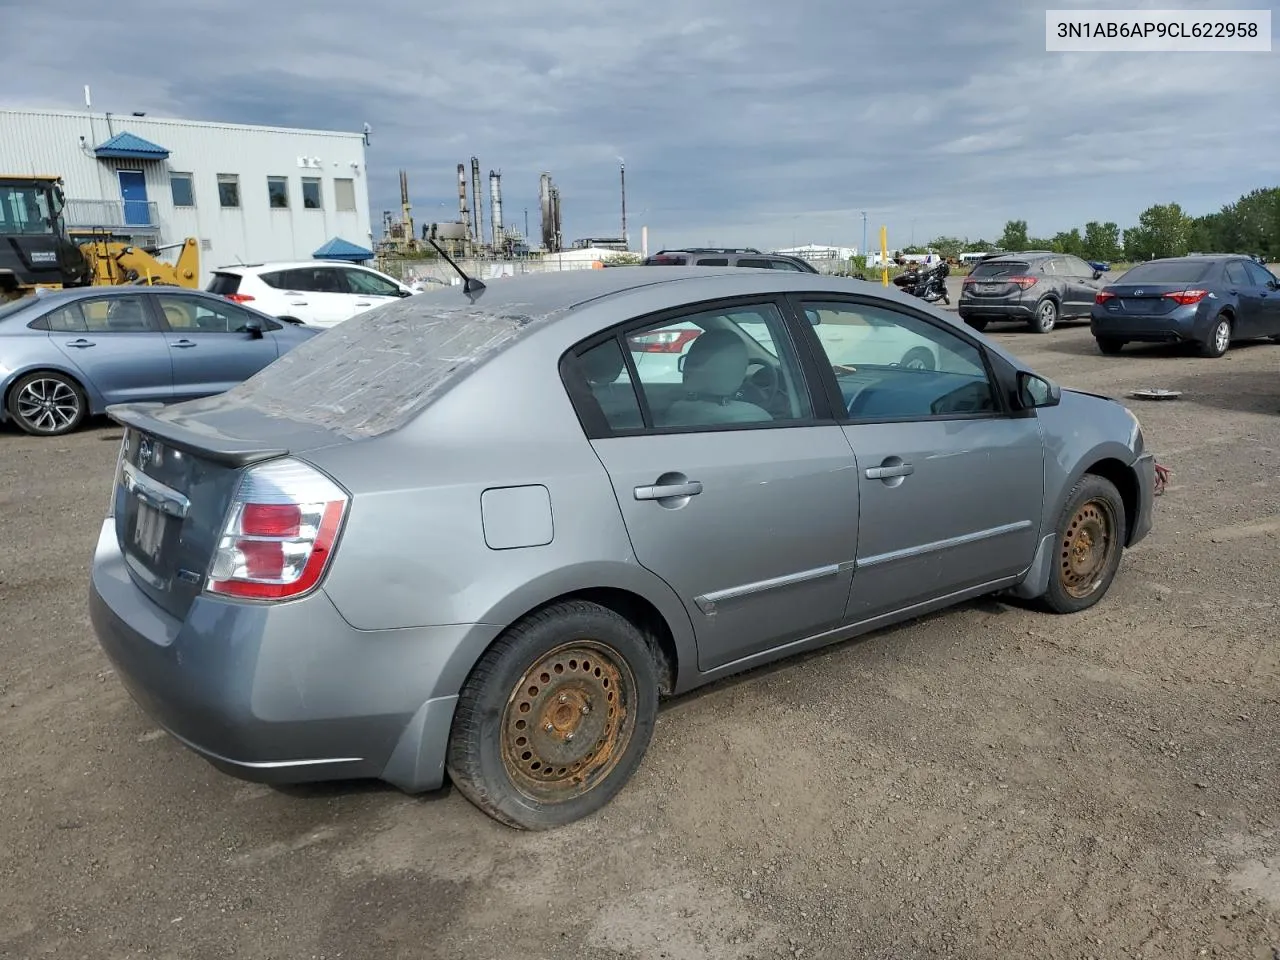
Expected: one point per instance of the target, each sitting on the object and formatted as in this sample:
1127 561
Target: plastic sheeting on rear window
374 372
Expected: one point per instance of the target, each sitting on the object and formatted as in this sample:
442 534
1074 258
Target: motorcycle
929 285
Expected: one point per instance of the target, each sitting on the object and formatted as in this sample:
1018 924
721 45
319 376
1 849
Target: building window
311 193
344 195
278 192
229 189
184 194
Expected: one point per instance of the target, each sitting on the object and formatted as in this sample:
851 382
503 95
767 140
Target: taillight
663 341
1103 296
238 297
279 533
1188 296
1023 282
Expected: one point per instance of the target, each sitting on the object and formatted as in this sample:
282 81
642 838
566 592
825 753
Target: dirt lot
990 782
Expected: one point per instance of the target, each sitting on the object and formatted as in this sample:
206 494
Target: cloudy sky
741 121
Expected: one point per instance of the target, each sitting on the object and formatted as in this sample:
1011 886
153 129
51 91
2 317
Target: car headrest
603 364
716 364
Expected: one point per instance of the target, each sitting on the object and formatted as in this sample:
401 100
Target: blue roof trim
128 146
339 249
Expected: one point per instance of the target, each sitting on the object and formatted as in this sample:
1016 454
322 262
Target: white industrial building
248 193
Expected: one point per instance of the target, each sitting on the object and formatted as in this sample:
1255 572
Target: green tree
948 246
980 246
1068 241
1163 230
1014 236
1102 241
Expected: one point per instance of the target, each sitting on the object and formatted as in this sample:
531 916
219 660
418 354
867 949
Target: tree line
1250 225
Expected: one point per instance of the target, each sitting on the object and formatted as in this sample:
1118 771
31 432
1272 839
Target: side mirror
1097 274
1036 391
1273 284
680 362
404 293
814 316
254 329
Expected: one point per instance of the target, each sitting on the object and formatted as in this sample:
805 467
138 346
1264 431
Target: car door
212 345
1087 288
1268 288
734 488
368 289
1250 307
116 345
950 485
321 292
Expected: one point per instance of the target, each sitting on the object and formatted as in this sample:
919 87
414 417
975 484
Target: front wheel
1219 338
555 717
1091 534
47 404
1110 347
1046 317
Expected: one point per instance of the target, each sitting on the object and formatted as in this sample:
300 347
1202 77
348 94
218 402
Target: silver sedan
479 533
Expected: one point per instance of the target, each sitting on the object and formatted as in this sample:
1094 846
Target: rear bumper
995 311
1145 469
1170 328
288 693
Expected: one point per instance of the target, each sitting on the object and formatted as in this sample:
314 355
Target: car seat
714 369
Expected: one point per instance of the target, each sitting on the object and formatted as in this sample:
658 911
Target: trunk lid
990 280
1142 299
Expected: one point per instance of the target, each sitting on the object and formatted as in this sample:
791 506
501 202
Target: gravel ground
988 782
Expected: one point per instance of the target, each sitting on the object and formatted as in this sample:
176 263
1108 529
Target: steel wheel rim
568 721
48 404
1046 313
1222 336
1086 548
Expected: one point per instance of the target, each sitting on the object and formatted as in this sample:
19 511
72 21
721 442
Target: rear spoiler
201 442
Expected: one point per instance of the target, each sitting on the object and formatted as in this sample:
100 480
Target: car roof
287 265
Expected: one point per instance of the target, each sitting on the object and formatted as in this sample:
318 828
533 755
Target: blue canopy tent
339 249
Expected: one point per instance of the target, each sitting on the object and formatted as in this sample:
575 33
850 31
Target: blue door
133 191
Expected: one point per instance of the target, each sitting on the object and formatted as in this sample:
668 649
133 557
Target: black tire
1110 346
1218 339
1080 577
46 403
919 358
1046 316
584 671
978 323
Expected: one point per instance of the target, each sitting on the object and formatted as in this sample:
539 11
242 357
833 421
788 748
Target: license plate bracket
149 528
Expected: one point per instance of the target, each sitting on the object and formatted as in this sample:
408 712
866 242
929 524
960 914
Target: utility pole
864 234
622 172
526 224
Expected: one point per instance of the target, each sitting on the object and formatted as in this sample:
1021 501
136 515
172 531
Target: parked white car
319 293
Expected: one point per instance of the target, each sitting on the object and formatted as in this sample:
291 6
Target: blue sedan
1209 301
68 354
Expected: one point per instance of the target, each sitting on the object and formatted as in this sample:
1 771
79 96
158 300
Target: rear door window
713 262
370 284
1236 274
753 262
1261 276
785 265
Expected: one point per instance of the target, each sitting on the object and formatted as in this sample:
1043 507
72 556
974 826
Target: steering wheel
766 392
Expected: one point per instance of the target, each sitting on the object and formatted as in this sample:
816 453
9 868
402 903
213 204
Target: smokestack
463 214
478 213
644 241
622 171
544 203
555 218
495 205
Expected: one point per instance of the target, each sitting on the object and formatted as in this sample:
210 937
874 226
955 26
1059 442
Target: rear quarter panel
23 351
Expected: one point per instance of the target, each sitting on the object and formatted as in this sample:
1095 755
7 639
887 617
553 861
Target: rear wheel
919 358
1091 533
1046 317
1217 341
555 717
47 403
1109 346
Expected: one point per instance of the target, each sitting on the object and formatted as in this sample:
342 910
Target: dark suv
727 257
1035 287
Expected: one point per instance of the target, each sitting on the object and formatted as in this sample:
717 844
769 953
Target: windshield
996 269
1167 271
24 210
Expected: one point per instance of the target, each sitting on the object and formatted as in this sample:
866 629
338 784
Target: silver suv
727 257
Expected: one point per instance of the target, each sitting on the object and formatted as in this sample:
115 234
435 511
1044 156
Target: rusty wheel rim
1086 548
568 721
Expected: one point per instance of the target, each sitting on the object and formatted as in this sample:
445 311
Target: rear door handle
884 473
663 491
80 343
363 303
183 344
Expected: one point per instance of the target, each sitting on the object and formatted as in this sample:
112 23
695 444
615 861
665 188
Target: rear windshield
224 284
373 373
995 269
1168 271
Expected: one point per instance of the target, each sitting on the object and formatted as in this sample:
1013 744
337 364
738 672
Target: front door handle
663 491
896 470
80 343
183 344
